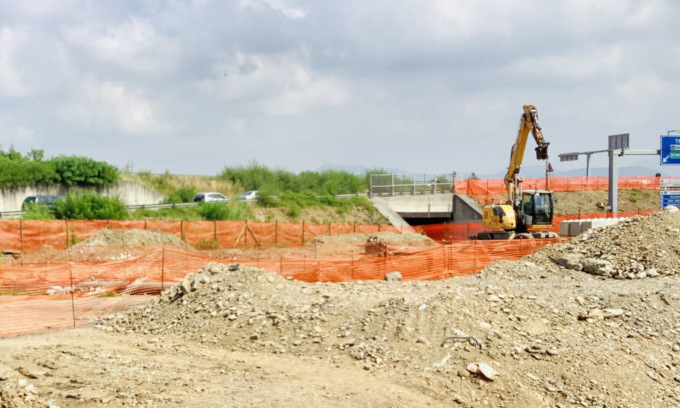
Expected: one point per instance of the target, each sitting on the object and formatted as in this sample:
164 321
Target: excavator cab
537 210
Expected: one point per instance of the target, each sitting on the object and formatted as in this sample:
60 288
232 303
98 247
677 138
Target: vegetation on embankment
283 196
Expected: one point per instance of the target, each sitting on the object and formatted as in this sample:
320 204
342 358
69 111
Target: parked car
248 195
48 200
210 197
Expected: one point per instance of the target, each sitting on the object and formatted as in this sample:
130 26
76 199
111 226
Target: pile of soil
386 237
131 237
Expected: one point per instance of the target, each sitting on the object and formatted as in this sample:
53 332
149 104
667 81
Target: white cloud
126 109
277 5
127 44
12 83
262 76
579 64
280 85
15 133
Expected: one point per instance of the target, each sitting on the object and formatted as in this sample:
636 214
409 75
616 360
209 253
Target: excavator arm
527 213
528 123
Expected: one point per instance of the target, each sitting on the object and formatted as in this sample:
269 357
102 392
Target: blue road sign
670 149
667 200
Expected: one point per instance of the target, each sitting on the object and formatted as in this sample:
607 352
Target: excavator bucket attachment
542 152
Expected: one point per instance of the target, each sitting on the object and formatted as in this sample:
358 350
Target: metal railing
411 184
19 214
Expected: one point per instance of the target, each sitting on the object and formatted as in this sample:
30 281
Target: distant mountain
536 171
539 171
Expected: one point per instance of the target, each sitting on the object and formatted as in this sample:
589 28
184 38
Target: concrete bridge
405 210
420 199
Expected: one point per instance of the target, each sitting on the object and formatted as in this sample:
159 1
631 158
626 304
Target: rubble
636 248
574 325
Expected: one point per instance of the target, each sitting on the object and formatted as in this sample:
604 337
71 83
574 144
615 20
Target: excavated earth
593 322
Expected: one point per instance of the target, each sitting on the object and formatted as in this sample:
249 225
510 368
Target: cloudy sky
192 86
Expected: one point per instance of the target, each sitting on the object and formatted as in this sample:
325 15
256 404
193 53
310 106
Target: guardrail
19 214
411 184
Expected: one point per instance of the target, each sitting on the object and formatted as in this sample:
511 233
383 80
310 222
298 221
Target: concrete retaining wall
130 193
572 228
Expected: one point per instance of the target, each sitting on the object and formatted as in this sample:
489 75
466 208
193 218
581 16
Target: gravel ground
590 323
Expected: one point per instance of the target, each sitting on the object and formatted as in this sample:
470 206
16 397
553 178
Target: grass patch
205 244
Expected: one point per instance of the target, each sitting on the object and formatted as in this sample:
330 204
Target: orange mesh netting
36 297
493 187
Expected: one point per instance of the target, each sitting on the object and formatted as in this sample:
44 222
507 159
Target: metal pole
613 182
392 185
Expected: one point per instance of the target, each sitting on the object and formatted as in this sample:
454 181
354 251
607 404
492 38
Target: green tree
83 171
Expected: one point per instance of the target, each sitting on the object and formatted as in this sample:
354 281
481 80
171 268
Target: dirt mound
635 248
387 237
548 331
237 336
131 237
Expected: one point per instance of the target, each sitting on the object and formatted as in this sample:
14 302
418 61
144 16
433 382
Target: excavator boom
526 214
528 123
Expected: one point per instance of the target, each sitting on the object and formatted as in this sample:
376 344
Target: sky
194 86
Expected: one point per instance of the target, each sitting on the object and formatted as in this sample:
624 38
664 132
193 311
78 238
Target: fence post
21 235
303 232
73 302
276 232
351 269
66 227
163 268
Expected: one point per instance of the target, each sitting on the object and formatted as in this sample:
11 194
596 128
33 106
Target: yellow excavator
526 214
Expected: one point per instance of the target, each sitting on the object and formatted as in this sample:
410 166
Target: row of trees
17 170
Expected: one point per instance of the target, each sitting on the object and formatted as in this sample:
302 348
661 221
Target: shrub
85 205
37 211
205 244
181 195
256 176
174 213
217 211
293 210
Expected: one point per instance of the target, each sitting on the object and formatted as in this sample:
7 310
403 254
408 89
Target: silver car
210 197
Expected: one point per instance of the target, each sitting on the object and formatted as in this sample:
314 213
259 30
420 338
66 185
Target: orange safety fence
492 187
29 235
43 296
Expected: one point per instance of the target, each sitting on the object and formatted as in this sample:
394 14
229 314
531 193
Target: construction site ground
593 322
